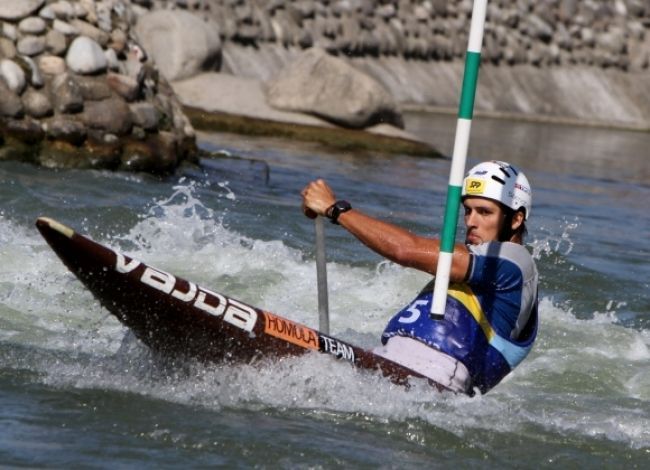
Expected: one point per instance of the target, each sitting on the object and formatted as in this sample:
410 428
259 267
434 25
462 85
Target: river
77 390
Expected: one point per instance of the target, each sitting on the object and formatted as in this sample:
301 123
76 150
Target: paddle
459 157
321 272
321 277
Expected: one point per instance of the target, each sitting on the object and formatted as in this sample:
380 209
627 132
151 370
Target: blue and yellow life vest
464 333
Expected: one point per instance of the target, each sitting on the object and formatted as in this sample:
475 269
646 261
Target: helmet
500 182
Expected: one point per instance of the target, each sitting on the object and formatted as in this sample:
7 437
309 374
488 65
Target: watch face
337 209
343 206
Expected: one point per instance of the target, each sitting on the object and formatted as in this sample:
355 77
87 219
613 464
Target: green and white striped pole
459 157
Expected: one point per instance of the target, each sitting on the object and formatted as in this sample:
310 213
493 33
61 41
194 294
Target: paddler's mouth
472 239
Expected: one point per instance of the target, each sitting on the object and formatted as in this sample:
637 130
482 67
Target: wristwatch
336 209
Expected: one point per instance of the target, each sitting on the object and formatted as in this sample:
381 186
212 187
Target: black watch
336 209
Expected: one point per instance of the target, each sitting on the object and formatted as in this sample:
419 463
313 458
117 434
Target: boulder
94 33
67 94
319 84
10 104
31 45
37 104
86 57
62 9
7 49
125 86
32 72
32 25
51 65
13 75
16 10
180 43
93 88
112 116
25 130
55 42
65 28
145 115
67 130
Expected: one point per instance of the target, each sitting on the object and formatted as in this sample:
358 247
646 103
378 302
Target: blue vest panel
465 333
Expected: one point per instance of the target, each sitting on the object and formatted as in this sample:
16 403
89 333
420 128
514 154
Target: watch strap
336 209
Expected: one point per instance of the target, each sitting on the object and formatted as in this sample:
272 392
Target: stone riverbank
99 83
76 90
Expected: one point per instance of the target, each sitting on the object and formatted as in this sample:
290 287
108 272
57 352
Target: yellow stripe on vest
463 293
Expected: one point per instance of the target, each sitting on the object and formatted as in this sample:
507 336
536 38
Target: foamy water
577 370
580 398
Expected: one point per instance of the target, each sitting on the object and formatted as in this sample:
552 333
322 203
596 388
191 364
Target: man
490 320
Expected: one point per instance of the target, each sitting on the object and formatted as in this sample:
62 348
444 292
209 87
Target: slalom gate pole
321 277
459 157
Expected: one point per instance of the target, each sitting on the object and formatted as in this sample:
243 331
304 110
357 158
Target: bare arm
393 242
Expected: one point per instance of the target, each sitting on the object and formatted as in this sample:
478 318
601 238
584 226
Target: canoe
179 318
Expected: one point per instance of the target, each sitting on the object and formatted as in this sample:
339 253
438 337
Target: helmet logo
474 186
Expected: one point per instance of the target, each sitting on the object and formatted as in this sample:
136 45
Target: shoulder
503 255
505 250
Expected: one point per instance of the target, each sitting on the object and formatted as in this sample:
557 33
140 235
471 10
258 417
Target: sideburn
506 233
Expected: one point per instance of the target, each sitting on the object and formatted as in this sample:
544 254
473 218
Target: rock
111 115
567 10
65 28
103 13
62 9
32 25
145 115
73 43
86 57
51 65
46 13
538 28
31 45
157 153
26 131
7 49
588 37
88 30
66 94
13 75
33 73
93 88
325 86
10 104
111 59
15 10
180 43
386 11
125 86
118 41
67 130
612 41
637 8
36 104
9 31
55 42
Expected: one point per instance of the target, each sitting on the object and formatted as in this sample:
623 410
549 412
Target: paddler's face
483 220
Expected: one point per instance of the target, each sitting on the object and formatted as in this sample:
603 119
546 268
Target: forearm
393 242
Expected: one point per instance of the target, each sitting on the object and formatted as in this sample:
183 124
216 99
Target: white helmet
501 182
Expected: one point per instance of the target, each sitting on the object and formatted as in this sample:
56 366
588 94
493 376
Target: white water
585 377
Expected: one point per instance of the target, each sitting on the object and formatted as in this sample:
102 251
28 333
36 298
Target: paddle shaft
459 157
321 277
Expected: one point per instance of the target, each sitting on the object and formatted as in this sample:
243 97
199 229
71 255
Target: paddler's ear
517 219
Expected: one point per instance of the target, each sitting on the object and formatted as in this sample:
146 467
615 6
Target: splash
552 245
567 385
